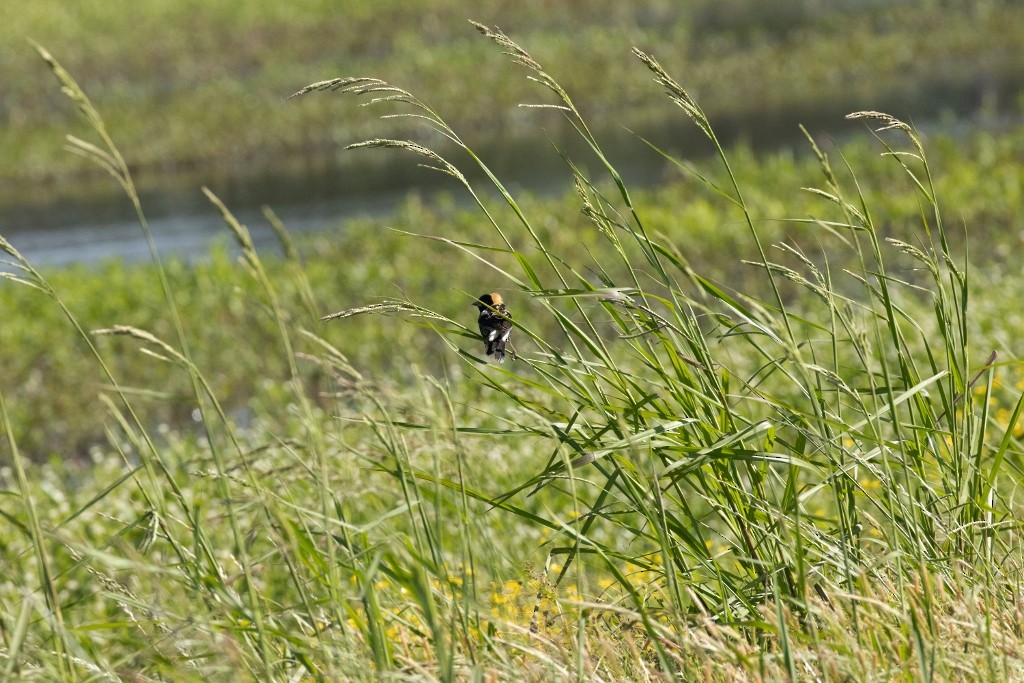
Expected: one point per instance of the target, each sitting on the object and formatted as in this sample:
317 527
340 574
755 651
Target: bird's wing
505 324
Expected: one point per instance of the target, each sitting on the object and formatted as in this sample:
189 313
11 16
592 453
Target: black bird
495 324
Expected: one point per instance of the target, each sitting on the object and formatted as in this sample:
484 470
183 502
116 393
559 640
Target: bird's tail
497 348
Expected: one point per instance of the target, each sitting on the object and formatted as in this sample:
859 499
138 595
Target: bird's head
488 301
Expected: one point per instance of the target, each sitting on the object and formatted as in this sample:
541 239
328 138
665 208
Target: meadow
762 425
196 93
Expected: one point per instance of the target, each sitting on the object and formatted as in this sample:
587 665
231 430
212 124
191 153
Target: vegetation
51 386
183 81
803 468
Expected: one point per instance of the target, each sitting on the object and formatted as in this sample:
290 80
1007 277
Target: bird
495 324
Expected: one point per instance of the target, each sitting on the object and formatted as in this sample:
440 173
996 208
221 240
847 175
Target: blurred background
195 93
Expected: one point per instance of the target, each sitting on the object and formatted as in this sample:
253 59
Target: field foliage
200 88
762 424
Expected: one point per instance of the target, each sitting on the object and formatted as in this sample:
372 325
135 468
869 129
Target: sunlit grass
808 471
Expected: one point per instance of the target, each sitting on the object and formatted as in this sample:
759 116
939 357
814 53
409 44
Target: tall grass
821 446
803 480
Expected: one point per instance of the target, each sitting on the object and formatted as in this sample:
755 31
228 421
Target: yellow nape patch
496 299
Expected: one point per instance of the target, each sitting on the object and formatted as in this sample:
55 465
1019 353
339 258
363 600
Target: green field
193 87
763 423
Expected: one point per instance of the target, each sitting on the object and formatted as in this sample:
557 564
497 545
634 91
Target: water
94 223
88 223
